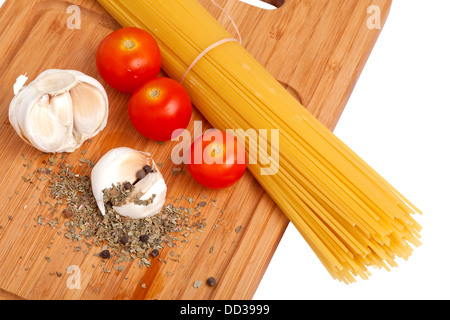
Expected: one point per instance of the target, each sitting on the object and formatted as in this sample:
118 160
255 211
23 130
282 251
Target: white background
397 119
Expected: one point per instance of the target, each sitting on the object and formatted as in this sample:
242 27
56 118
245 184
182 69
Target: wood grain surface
316 48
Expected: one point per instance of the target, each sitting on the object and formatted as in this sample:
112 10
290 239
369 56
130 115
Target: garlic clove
44 128
116 166
55 82
89 111
61 108
157 191
153 187
18 109
120 165
145 185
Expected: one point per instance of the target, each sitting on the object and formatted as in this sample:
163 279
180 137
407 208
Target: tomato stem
129 44
216 150
154 93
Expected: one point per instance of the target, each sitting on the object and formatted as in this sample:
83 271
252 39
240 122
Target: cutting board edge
364 61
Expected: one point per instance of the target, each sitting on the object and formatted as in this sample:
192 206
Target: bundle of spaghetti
350 216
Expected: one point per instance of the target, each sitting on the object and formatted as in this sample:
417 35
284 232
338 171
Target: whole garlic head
59 110
121 165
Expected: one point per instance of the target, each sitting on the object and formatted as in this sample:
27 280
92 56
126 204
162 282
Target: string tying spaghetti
216 44
203 53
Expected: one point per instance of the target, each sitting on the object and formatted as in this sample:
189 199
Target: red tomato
217 159
127 58
159 107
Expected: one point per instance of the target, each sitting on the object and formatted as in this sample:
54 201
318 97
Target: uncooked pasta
350 216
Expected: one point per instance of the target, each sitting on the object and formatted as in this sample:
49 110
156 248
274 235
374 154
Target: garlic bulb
131 176
59 110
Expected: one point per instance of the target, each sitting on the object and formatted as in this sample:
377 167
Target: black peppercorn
67 213
211 281
123 240
144 238
105 254
147 169
154 253
140 174
127 185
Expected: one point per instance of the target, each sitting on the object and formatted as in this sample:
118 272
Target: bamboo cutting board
317 49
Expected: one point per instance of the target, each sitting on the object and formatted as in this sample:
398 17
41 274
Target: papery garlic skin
120 165
59 110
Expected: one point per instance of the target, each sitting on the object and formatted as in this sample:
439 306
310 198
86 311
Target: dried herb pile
120 238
